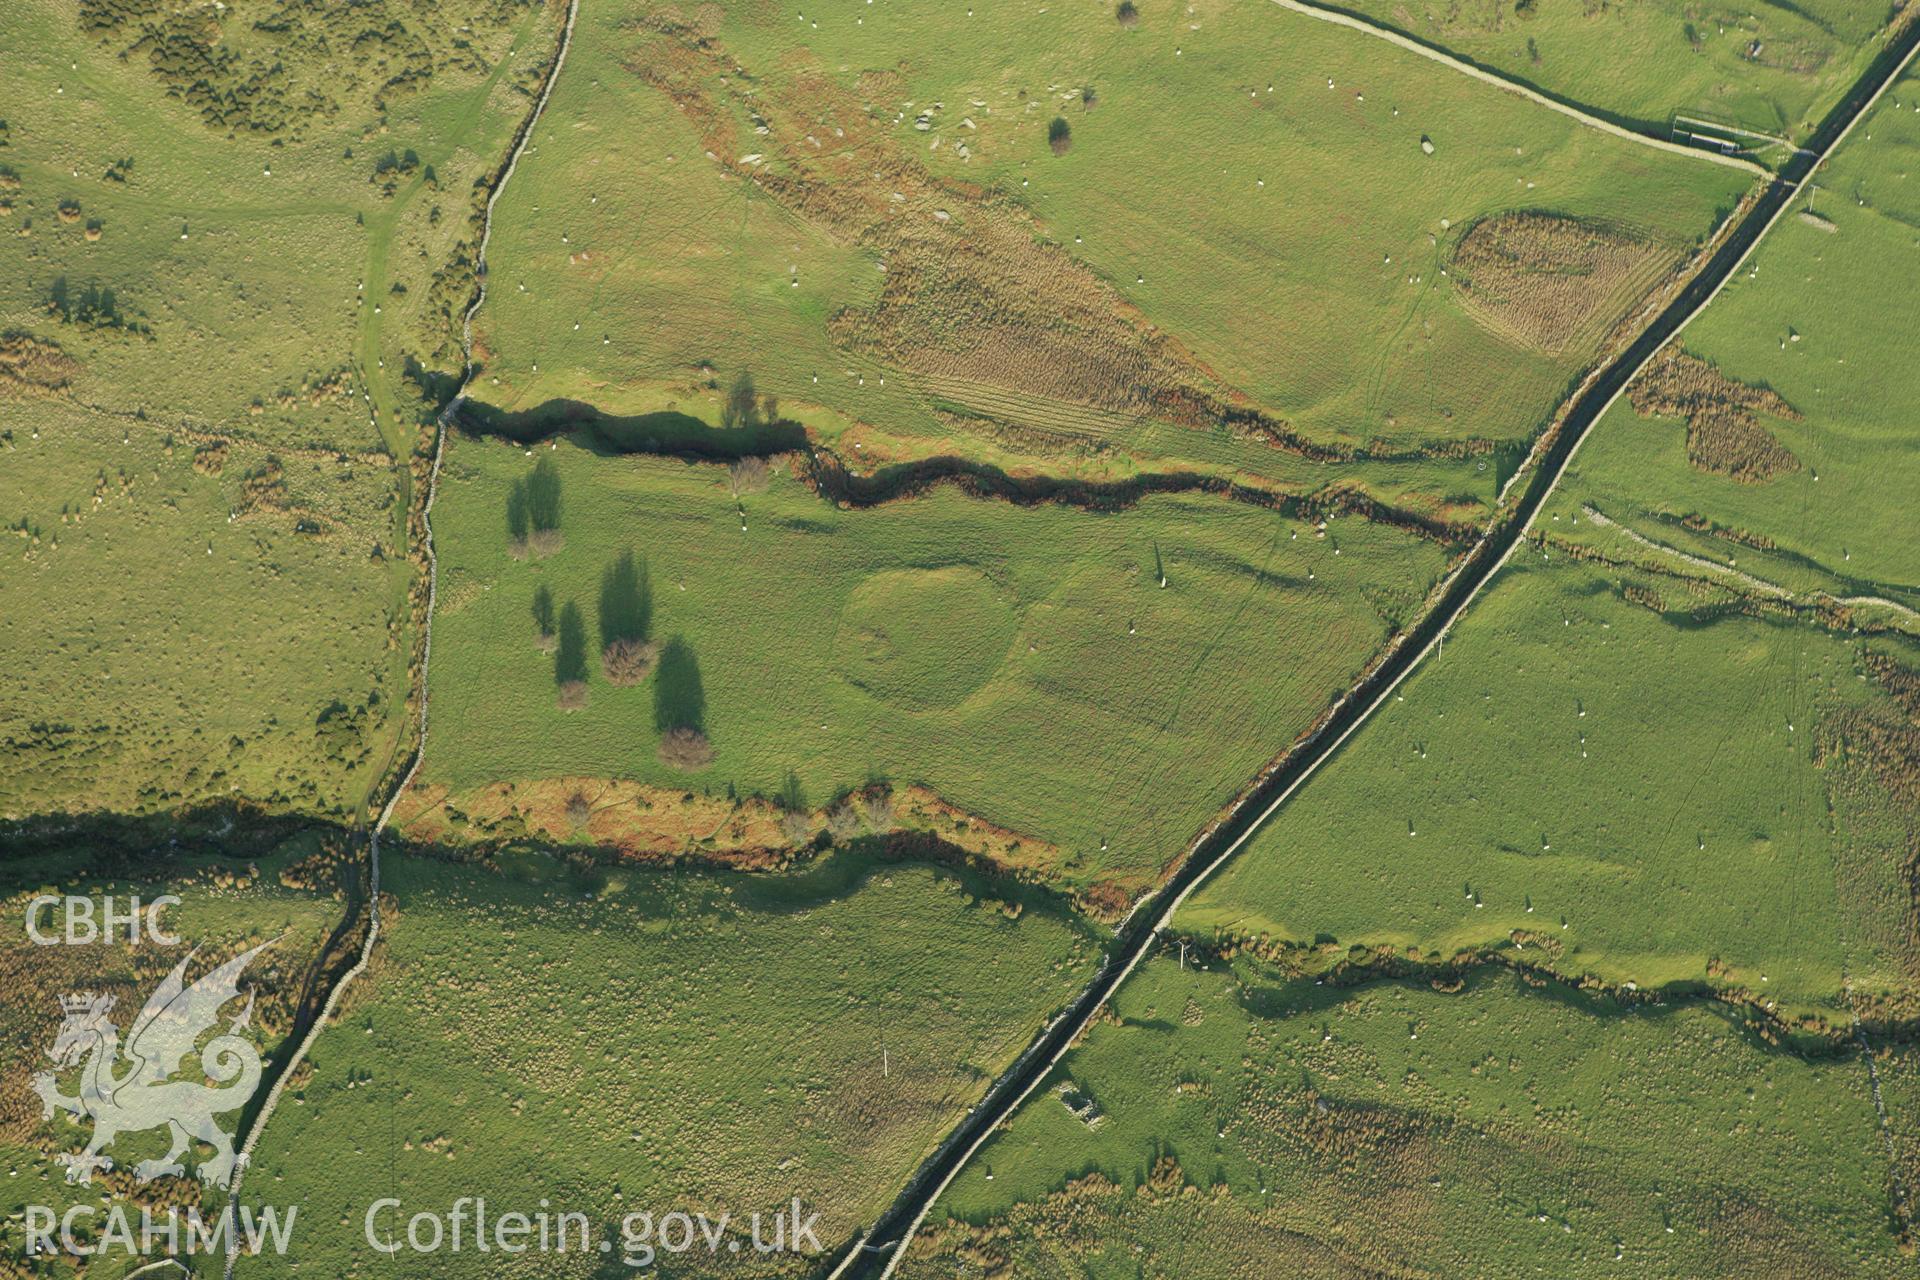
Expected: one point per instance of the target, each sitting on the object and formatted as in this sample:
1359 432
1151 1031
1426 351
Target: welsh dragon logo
141 1094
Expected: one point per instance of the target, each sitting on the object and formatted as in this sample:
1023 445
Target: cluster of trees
628 656
89 308
626 621
342 731
391 168
229 90
629 653
871 809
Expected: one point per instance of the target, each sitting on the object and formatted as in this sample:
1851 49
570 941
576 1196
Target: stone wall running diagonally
878 1251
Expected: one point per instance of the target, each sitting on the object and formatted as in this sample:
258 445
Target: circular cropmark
923 638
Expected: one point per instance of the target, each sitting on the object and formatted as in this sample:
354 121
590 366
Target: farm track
318 1023
1719 571
1813 608
1533 484
1729 576
1343 18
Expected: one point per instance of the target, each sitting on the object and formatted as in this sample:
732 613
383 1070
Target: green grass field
1658 774
1807 322
207 473
1023 662
179 638
624 1041
1243 1124
900 257
1770 69
1898 1068
245 257
1618 791
759 829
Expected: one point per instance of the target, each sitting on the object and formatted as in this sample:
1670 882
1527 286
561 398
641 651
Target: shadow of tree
679 700
626 601
518 523
570 656
542 610
543 496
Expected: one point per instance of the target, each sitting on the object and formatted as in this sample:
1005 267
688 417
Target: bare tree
579 811
878 807
628 662
843 821
570 659
685 749
749 475
796 826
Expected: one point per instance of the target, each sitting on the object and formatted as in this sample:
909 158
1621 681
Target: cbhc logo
83 920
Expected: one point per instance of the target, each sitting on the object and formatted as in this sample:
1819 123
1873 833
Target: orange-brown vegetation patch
1886 742
265 487
1546 280
919 809
210 459
31 366
1111 899
1901 683
661 824
314 391
1724 435
643 821
972 289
